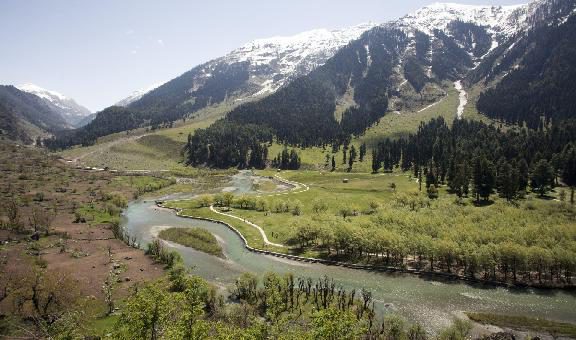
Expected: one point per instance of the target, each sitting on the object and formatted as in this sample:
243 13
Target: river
430 302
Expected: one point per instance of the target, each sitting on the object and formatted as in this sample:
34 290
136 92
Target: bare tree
40 220
12 210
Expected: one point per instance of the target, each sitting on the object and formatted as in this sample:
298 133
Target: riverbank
197 238
389 269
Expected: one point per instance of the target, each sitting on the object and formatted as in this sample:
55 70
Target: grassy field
523 323
197 238
388 209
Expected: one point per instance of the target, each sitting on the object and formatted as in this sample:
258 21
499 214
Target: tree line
408 233
475 157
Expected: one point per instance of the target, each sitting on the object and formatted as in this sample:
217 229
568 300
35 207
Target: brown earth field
85 252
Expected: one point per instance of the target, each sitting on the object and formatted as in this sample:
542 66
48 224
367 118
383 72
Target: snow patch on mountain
499 20
72 112
134 96
52 96
275 61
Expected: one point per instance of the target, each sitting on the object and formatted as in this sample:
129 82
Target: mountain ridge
457 44
72 112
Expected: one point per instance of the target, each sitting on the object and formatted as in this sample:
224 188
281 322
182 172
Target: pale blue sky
97 52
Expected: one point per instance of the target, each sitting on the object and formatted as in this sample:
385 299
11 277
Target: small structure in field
345 180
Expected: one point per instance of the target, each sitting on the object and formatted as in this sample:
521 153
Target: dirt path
298 188
264 237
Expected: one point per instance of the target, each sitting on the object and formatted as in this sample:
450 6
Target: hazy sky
99 51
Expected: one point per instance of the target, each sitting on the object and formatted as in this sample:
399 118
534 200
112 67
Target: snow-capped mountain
134 96
254 70
499 20
360 73
274 61
73 113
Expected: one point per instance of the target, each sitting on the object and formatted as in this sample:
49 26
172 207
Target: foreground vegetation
197 238
278 307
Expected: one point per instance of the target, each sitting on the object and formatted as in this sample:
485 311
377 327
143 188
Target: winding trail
432 105
264 237
298 188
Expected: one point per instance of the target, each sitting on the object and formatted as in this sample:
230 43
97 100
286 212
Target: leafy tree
319 206
246 288
332 324
148 314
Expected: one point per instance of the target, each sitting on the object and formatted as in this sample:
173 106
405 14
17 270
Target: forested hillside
21 112
539 88
473 154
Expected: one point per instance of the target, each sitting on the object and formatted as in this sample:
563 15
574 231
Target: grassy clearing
394 125
386 211
96 215
197 238
526 323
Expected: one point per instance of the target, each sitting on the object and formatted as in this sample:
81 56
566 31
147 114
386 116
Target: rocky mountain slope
136 95
251 71
25 117
320 86
404 64
73 113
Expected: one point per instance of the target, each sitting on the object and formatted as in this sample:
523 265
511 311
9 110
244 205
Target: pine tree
507 181
362 152
569 168
458 179
523 174
333 164
285 159
542 178
375 161
353 153
484 178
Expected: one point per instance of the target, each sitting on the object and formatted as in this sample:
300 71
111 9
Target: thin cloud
160 42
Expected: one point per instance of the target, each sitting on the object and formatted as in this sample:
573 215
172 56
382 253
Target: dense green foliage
197 238
303 112
226 144
384 221
111 120
276 307
175 99
471 37
484 156
451 61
